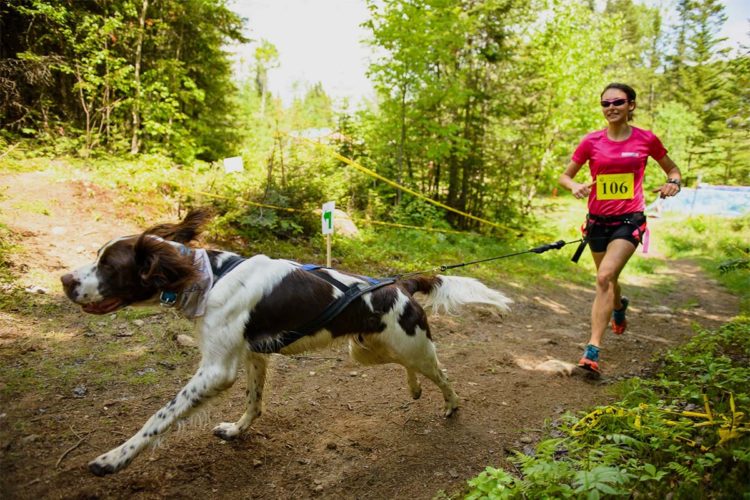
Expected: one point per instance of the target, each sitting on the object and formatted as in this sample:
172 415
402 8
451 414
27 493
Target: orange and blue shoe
619 322
590 360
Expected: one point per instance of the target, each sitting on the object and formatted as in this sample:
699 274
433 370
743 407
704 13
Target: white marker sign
233 164
327 217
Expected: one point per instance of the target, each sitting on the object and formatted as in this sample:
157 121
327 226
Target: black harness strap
351 293
580 249
228 266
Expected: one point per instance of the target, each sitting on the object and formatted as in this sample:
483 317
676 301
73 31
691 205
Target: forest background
478 104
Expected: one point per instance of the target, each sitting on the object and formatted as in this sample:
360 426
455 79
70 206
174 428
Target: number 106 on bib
614 186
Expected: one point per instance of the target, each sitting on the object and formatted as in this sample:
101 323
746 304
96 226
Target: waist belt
637 219
350 294
629 218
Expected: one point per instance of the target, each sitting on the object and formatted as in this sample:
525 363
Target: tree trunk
436 182
84 107
453 175
136 112
402 140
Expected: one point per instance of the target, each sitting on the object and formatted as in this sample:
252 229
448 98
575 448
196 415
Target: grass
712 241
34 207
119 351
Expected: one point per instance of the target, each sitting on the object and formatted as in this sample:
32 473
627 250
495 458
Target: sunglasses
614 102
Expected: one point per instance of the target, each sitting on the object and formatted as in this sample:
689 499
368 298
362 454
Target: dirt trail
331 429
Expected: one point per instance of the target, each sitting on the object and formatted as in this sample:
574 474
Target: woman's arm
674 177
566 181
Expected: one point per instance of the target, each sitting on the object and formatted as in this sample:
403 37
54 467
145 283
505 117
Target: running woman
617 157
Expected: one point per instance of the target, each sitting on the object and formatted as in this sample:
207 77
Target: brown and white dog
246 309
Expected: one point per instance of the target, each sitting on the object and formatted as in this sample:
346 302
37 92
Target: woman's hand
667 189
581 190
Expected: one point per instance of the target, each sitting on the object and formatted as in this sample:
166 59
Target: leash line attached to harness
540 249
353 292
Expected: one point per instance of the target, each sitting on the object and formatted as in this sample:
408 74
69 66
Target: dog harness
349 294
192 301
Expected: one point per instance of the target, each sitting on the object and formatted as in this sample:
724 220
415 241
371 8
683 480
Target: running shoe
619 322
590 360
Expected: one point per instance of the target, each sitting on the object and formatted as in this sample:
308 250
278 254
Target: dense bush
683 432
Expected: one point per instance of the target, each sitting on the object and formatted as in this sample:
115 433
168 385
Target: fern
602 480
685 473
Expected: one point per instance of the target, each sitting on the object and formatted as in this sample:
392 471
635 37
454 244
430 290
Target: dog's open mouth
103 306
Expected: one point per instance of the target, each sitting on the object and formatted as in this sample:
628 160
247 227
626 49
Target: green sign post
327 221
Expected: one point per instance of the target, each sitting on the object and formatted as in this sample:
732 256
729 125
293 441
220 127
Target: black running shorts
600 234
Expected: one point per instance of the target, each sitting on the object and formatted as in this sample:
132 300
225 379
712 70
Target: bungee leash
540 249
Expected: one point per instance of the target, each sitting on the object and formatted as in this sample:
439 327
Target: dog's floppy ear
185 231
162 265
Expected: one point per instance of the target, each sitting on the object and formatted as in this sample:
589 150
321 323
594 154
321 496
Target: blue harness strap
350 294
335 282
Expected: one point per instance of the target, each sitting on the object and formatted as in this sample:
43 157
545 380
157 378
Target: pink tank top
618 169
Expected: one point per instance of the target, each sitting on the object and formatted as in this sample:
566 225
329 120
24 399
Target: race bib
614 186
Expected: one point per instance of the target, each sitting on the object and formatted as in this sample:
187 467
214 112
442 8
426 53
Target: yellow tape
357 219
405 189
729 427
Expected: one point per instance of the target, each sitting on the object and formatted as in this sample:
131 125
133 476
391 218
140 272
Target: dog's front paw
227 431
451 407
416 393
101 466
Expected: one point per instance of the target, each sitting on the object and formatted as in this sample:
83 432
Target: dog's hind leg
213 376
371 351
424 360
255 366
416 353
407 338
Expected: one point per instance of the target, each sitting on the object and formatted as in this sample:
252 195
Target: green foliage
492 484
415 211
678 126
715 364
436 93
479 103
7 247
554 99
711 84
741 263
654 441
129 75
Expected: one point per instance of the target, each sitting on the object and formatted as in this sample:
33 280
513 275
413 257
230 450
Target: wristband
677 183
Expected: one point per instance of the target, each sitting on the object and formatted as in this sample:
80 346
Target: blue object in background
728 201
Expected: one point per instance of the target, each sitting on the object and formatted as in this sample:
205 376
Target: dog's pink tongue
102 307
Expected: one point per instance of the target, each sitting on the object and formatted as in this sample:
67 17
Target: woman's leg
609 264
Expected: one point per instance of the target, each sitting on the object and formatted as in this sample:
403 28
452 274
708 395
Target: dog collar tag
168 299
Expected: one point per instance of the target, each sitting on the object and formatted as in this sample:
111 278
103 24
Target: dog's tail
449 293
